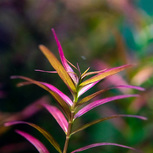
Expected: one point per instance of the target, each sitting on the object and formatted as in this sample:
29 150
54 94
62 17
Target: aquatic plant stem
68 135
67 138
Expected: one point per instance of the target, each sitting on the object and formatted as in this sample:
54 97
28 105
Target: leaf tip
6 124
144 118
13 77
41 46
53 30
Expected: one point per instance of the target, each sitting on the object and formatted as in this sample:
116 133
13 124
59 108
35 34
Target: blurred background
97 34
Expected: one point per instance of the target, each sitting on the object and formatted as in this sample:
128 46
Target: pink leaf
38 145
86 88
58 115
61 94
63 59
89 86
86 99
61 98
47 135
44 85
130 86
100 102
102 144
26 112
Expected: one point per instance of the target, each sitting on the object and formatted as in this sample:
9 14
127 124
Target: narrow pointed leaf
49 86
41 130
45 71
85 72
36 143
59 117
61 98
58 67
106 118
104 74
86 99
89 86
61 94
27 112
130 86
24 83
91 73
103 144
71 64
63 59
100 102
86 88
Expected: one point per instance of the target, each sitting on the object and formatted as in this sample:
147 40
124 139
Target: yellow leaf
58 67
86 99
103 75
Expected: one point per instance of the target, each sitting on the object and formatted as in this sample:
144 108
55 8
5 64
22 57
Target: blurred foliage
99 34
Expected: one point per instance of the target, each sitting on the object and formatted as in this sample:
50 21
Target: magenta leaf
58 115
100 102
103 144
38 145
61 98
64 61
130 86
47 135
86 88
87 98
107 118
89 86
25 113
60 93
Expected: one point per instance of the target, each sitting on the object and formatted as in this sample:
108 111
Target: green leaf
58 67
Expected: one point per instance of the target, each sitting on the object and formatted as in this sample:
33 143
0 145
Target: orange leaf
58 67
62 103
